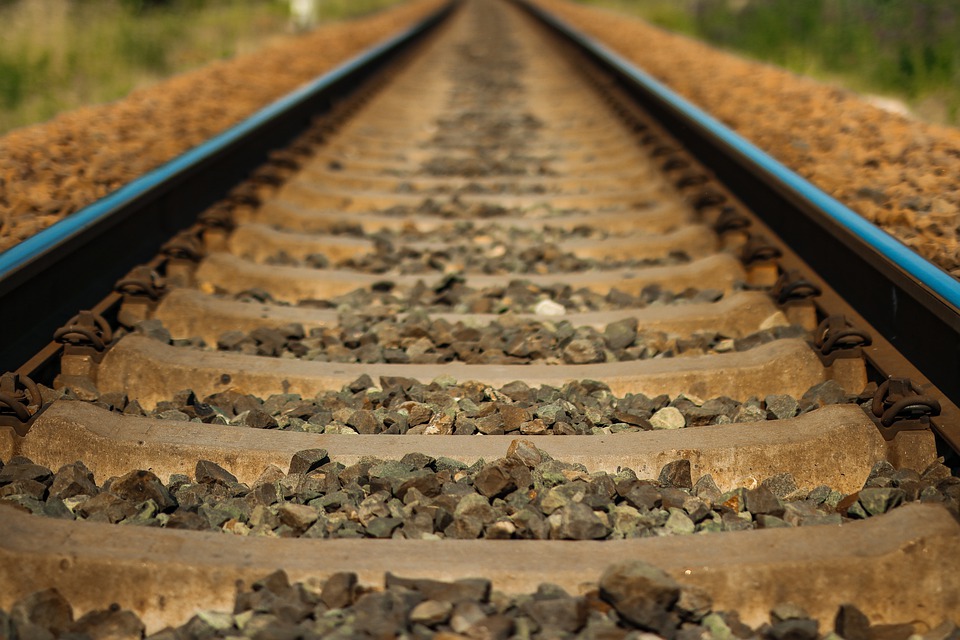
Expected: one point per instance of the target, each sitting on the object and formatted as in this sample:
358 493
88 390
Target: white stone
776 319
549 308
668 418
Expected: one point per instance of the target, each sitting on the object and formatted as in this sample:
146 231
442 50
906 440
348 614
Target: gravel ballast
451 294
524 496
404 406
416 339
633 600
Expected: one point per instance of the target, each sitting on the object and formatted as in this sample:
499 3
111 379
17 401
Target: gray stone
174 414
495 627
643 595
781 485
106 507
679 523
579 522
851 623
471 514
490 425
382 527
255 419
717 627
794 630
46 609
825 393
340 590
30 488
563 614
466 590
583 351
307 460
364 421
750 413
140 486
494 481
694 604
113 623
877 501
25 471
781 406
154 329
770 522
218 514
676 474
787 611
526 452
208 472
707 489
465 615
297 516
620 334
431 613
763 501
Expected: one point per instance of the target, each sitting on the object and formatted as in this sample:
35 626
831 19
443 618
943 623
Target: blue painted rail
913 304
45 279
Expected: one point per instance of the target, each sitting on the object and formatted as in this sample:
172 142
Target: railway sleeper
187 313
259 243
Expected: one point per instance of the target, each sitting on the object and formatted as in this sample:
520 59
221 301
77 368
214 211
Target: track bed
364 367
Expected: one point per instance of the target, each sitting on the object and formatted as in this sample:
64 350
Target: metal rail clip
85 334
730 219
141 289
792 288
20 402
219 216
794 295
900 403
836 337
184 252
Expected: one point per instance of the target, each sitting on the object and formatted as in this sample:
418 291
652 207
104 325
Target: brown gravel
900 174
50 170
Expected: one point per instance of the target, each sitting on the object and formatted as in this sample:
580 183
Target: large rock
46 609
73 480
139 486
643 595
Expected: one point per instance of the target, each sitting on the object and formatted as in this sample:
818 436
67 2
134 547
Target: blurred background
56 55
904 50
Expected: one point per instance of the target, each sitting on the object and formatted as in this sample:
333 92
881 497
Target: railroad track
495 241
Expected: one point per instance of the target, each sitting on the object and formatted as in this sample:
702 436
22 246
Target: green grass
904 49
56 55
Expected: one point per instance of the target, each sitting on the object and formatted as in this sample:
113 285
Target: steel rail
913 303
69 265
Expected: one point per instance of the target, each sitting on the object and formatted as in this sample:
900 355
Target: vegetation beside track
58 55
906 50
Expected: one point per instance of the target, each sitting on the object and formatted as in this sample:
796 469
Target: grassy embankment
56 55
906 50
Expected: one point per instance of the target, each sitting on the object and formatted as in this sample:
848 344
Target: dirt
899 173
50 170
